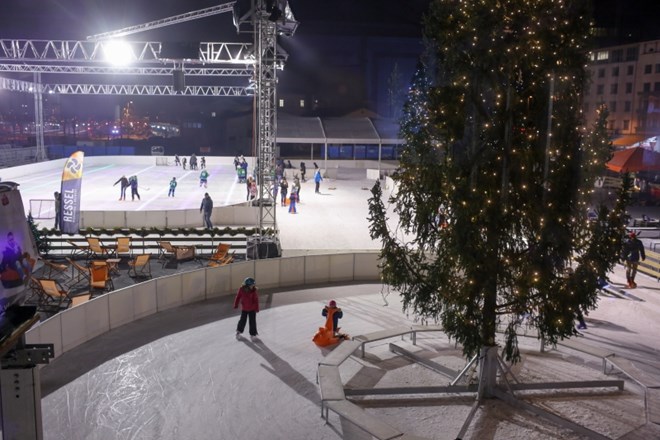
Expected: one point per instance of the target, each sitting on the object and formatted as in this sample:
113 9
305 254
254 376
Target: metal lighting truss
128 70
181 18
265 99
73 51
266 19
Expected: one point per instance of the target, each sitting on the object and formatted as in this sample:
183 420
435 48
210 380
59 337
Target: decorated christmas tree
496 178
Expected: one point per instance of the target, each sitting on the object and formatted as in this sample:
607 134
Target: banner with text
70 194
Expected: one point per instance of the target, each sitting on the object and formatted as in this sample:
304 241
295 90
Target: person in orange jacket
329 334
248 297
334 313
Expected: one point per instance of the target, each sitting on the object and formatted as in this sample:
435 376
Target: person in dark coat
134 188
124 184
633 250
58 210
303 170
248 298
206 208
284 189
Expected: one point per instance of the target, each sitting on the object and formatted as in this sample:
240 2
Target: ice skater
206 208
317 180
293 198
177 161
124 184
303 170
184 163
248 297
203 178
334 313
173 184
329 334
633 250
134 187
284 189
202 163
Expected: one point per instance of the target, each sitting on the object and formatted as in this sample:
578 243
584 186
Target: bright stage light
118 53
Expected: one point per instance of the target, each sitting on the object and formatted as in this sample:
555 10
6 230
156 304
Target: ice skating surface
182 373
333 220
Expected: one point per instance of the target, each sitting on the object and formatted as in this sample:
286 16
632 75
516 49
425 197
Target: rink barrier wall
77 325
236 215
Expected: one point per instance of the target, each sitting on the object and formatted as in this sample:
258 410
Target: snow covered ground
181 374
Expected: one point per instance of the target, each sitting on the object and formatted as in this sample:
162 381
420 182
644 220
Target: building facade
626 79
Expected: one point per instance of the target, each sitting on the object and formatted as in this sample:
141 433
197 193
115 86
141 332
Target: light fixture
118 53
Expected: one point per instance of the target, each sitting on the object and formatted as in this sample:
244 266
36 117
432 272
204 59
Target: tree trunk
487 371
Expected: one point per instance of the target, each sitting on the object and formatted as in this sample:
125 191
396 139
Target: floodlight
118 53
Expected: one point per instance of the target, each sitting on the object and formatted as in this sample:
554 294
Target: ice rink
181 374
334 220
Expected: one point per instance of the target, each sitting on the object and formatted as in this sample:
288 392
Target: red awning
628 140
634 159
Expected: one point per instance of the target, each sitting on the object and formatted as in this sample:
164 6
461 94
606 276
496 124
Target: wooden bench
363 420
331 386
342 352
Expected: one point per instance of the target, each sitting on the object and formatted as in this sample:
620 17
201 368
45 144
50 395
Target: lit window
281 102
602 55
302 103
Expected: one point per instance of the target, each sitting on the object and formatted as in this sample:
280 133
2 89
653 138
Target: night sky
76 19
64 19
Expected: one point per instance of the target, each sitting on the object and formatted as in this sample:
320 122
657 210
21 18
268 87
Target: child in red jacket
248 297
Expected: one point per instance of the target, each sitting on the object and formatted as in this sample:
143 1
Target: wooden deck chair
166 252
79 273
53 295
140 266
96 249
78 250
170 252
221 256
124 247
55 270
100 278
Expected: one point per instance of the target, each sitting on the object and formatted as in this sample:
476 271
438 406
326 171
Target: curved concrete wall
77 325
235 215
